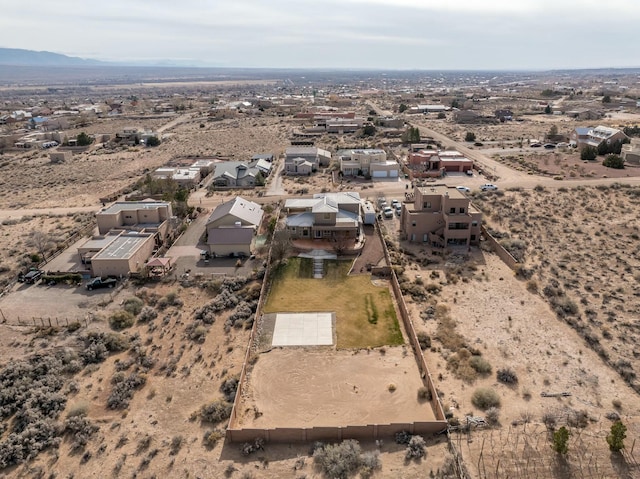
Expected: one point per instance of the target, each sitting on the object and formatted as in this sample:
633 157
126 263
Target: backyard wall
337 433
498 249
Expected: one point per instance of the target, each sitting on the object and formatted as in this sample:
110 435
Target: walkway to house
318 256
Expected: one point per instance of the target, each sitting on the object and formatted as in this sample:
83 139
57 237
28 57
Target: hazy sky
383 34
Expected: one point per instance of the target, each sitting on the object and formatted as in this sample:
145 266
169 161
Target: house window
452 210
305 232
413 223
128 217
426 205
318 234
327 216
461 210
293 229
474 223
473 237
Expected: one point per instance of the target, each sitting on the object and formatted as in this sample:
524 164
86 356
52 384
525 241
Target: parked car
469 172
97 283
535 145
463 189
394 202
387 212
31 277
399 209
488 187
562 144
549 146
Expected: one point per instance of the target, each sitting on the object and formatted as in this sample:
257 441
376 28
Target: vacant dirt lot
307 387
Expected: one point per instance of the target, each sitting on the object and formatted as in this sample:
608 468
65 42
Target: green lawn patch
365 316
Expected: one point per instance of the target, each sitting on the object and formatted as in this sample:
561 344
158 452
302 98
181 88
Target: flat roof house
440 216
149 215
367 162
232 226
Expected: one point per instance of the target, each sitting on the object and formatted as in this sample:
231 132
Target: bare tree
280 245
41 241
341 244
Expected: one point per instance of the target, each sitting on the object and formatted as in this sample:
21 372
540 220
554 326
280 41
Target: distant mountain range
19 57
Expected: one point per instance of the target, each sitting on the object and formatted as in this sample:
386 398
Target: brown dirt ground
307 387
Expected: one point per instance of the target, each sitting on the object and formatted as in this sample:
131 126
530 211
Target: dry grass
365 314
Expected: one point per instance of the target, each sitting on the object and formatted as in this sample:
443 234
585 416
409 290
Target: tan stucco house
440 216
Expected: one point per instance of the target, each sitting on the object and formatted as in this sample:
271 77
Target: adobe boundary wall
498 249
338 433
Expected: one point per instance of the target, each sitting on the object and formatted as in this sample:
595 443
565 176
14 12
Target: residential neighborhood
259 273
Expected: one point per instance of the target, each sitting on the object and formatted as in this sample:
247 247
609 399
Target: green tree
548 92
455 103
614 161
588 153
548 110
153 141
83 139
441 116
553 131
606 99
470 136
369 130
617 436
402 108
415 135
561 440
260 181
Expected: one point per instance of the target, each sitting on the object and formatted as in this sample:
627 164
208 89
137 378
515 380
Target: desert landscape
141 380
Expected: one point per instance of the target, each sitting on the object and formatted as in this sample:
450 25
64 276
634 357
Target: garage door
379 174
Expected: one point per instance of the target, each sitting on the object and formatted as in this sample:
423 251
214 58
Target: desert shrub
507 376
251 447
424 394
484 398
549 420
403 437
147 313
616 437
215 411
578 418
80 429
560 442
480 364
176 445
196 331
133 305
98 345
229 387
424 340
415 448
123 389
242 315
340 461
121 319
212 437
30 391
492 415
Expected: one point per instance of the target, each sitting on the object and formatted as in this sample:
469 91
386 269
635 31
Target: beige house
440 216
149 215
232 226
126 253
367 162
631 152
325 216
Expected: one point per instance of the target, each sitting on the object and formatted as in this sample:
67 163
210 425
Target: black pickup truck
97 283
30 277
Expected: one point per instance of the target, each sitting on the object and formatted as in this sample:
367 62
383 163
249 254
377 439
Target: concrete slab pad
303 329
